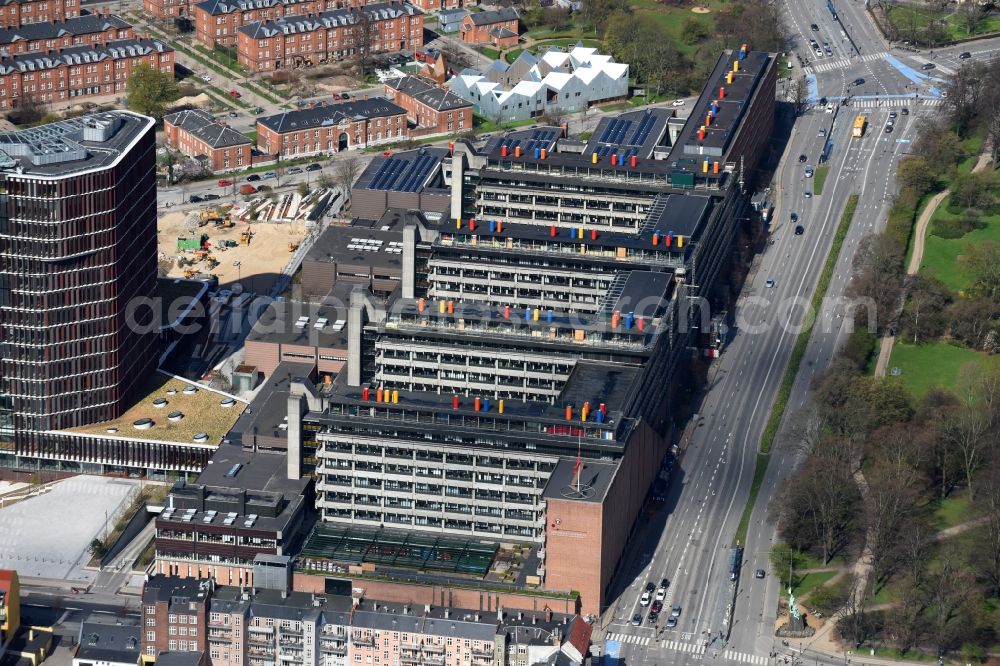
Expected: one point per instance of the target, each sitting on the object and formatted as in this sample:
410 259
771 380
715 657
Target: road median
788 379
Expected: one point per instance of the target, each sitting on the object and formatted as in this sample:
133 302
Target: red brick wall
222 29
66 41
305 48
326 139
263 355
77 81
37 11
583 550
429 119
168 8
480 34
221 159
438 595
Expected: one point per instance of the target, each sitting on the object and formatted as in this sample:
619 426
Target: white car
644 601
661 594
206 77
677 102
829 107
769 284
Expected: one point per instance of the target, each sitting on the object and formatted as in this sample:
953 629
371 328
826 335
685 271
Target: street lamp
239 273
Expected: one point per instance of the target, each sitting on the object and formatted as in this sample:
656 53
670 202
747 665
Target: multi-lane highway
688 540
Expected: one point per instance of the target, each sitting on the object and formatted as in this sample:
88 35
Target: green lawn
492 54
951 511
934 364
672 17
564 43
941 255
811 581
512 55
954 25
821 173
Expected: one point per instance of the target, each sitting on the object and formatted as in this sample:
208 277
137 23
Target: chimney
447 613
534 619
477 617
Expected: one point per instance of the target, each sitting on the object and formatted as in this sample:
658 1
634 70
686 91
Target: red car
235 94
225 183
248 189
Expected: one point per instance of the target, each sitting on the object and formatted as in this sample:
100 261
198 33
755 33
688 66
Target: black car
795 217
964 55
263 188
802 159
799 230
904 111
888 129
211 197
760 573
653 617
927 65
257 110
823 101
344 96
814 27
859 81
636 620
313 167
194 198
253 178
650 588
664 583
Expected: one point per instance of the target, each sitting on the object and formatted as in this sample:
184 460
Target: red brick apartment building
499 28
216 21
198 134
293 41
433 109
168 9
85 30
438 5
80 71
173 615
14 13
333 128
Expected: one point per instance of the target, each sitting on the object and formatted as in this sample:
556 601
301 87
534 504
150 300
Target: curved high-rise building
77 256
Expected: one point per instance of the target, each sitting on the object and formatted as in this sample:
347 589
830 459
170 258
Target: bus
859 126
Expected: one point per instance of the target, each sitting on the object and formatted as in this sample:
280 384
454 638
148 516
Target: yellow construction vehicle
188 273
246 236
292 247
212 216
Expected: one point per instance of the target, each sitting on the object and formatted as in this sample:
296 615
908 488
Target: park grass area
512 55
483 125
903 16
952 510
492 54
563 43
820 177
672 18
942 255
925 366
811 581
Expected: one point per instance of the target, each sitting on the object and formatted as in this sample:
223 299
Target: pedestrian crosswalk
629 638
840 63
892 103
681 646
733 655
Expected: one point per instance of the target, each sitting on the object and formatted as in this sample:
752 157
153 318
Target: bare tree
916 544
347 171
366 35
993 133
798 93
971 13
887 503
967 429
984 554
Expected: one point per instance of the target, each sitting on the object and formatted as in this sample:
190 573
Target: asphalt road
688 539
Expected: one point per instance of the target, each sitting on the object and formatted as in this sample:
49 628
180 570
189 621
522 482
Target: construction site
241 242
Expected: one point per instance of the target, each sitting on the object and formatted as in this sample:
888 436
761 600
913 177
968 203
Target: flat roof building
98 174
516 390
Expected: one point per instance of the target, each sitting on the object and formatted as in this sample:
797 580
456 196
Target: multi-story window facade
20 12
77 256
